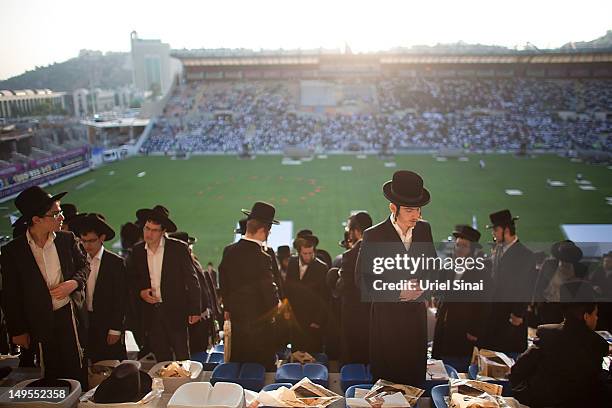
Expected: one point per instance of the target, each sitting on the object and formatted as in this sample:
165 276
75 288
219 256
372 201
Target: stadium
302 119
311 154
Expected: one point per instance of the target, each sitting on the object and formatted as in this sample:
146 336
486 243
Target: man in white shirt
44 274
398 325
106 290
308 295
162 274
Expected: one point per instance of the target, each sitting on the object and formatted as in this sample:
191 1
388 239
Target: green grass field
205 194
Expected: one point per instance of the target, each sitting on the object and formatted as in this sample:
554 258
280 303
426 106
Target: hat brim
476 244
489 226
573 257
103 392
25 217
83 223
420 201
145 214
312 238
268 221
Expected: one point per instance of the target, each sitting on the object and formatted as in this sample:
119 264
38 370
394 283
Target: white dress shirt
405 238
94 266
155 261
303 268
48 262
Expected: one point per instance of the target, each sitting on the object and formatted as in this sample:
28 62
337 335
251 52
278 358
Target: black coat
26 298
309 296
355 314
515 273
398 330
109 308
562 369
249 294
110 293
180 289
456 318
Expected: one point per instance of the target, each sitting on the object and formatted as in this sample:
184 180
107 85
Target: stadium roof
197 59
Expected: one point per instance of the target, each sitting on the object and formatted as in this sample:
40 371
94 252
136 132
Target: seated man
564 366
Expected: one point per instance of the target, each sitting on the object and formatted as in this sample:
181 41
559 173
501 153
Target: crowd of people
67 300
470 114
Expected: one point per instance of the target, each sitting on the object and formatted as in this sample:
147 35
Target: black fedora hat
283 252
92 222
466 232
241 226
263 212
125 384
307 235
34 201
502 218
361 220
313 239
183 236
406 189
158 213
566 251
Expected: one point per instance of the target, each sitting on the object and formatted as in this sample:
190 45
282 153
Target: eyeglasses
55 215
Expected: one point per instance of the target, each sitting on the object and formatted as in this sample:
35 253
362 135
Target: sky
41 32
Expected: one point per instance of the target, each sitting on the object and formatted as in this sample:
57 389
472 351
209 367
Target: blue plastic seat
200 357
226 372
251 376
452 373
437 395
275 386
350 391
213 359
289 373
321 358
317 373
352 374
430 384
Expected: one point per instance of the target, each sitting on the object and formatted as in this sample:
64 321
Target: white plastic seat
204 394
68 402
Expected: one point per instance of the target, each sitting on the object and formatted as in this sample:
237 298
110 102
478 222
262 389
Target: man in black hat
563 367
106 293
355 314
161 271
201 332
250 298
459 317
308 294
554 272
44 276
398 328
513 275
